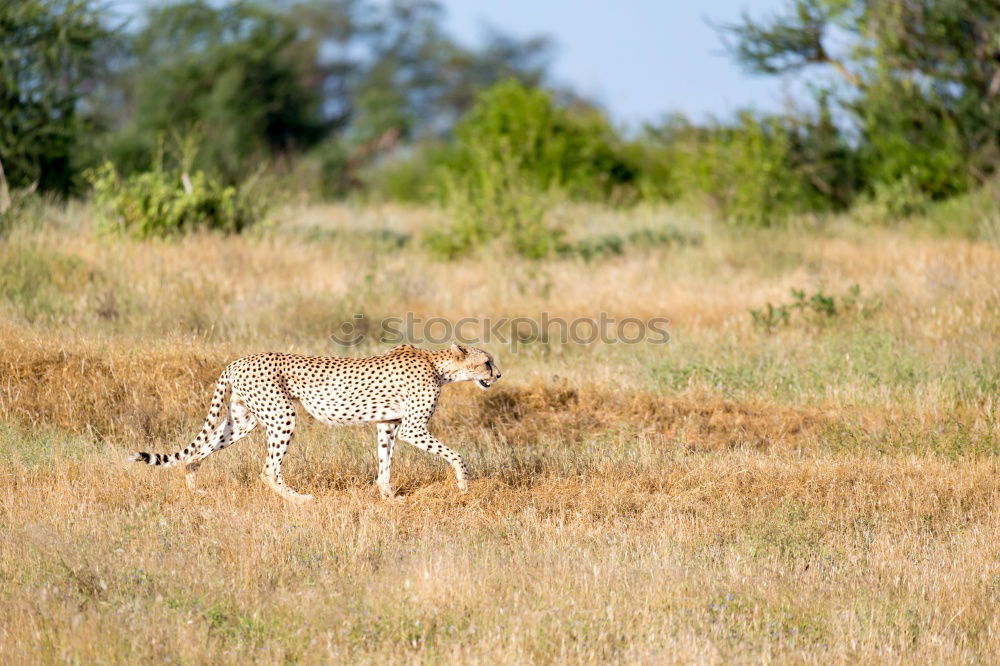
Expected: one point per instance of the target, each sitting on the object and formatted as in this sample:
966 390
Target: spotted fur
398 390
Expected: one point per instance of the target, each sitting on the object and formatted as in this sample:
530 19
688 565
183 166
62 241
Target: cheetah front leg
386 443
416 434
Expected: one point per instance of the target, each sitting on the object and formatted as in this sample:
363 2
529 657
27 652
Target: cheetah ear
457 351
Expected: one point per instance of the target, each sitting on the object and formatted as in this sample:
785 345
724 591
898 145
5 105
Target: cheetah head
471 364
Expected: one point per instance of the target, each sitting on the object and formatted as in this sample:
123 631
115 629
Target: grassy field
818 483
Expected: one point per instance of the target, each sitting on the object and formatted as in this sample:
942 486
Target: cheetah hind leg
279 435
238 424
223 432
190 477
287 493
386 431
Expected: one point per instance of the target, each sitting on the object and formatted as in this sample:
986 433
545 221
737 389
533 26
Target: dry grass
823 493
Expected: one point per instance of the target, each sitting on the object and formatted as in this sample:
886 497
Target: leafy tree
821 154
233 75
920 78
422 79
50 52
260 81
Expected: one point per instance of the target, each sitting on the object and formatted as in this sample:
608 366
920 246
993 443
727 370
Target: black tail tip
141 457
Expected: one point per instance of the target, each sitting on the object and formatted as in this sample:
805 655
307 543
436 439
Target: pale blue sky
638 58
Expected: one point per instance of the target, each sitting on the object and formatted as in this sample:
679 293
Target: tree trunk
4 192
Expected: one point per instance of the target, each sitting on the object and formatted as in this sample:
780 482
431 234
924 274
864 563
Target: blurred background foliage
357 98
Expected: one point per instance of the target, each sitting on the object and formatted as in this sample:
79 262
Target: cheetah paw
297 498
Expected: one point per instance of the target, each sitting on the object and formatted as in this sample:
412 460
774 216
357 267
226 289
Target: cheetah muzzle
397 390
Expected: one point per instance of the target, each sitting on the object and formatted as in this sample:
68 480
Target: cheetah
398 390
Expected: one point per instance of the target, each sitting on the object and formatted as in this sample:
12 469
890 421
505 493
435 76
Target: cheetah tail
211 421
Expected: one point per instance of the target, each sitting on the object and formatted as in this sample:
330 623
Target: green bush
160 203
550 147
756 170
899 199
656 176
411 176
516 152
239 71
974 215
916 82
495 202
913 150
747 171
335 179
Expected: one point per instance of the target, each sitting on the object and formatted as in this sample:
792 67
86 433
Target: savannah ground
822 489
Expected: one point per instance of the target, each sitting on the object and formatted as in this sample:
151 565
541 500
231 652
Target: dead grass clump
705 423
130 395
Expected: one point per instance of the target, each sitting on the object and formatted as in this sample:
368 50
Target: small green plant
818 303
609 245
771 316
818 307
172 200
